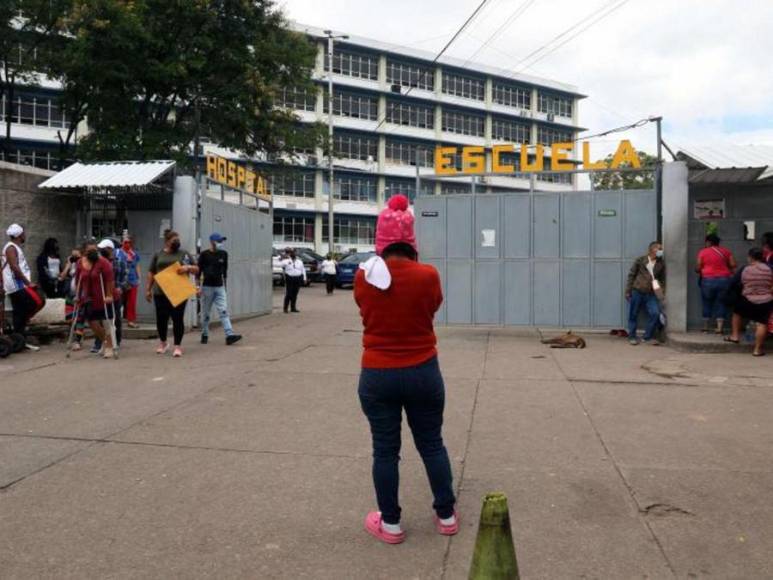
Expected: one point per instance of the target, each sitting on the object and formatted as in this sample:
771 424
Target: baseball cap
106 243
217 237
14 231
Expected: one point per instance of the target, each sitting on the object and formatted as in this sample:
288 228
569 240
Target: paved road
252 461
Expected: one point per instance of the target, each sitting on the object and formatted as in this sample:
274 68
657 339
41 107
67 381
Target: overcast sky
706 66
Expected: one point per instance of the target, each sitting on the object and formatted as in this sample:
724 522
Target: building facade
392 106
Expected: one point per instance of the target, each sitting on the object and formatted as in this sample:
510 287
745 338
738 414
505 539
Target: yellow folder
177 287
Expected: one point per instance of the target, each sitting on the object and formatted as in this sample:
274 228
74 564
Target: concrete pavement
252 461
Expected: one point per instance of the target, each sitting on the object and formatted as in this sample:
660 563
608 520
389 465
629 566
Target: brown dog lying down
567 340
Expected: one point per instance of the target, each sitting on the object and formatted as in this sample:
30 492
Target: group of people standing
747 291
100 282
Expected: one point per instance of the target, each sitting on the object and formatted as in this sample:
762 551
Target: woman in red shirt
715 266
398 298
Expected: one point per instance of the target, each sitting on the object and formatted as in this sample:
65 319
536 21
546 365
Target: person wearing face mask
295 275
17 281
134 275
213 268
99 295
645 288
171 253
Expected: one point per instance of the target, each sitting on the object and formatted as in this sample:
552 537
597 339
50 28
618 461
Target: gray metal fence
549 259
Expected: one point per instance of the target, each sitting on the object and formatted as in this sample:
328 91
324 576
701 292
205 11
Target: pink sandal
374 528
445 530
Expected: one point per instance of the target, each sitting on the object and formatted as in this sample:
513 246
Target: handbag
735 289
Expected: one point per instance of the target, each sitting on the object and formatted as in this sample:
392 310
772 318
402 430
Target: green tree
27 30
627 179
149 75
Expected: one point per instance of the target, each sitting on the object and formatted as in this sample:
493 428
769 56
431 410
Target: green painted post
494 557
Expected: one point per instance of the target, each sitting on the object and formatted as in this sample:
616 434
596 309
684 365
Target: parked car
313 262
348 266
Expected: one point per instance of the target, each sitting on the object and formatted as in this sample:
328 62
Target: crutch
75 313
111 321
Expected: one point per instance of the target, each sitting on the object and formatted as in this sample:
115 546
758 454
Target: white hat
14 230
106 243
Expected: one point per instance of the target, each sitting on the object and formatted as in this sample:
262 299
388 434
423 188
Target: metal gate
548 259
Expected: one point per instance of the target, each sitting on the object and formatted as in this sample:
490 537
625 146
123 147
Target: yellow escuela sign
230 174
474 159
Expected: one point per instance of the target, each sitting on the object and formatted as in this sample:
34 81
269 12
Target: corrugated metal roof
113 174
733 157
725 175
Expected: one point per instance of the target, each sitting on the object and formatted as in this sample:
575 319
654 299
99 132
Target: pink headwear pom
398 202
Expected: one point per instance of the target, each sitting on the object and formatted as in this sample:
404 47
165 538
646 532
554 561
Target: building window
511 131
353 188
407 187
447 187
549 135
405 153
410 75
351 230
411 114
294 183
35 110
555 177
463 123
511 95
556 105
463 86
42 159
354 105
293 229
294 98
353 64
355 146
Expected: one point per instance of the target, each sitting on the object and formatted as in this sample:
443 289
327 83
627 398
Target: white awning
106 175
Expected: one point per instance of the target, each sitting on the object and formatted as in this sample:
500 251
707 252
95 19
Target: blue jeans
650 302
384 393
214 295
713 294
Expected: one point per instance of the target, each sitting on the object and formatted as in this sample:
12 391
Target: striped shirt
757 281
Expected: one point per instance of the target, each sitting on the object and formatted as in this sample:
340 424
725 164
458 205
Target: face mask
174 246
219 245
93 256
659 254
127 246
105 253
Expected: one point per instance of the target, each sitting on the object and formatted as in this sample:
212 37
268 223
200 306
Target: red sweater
398 321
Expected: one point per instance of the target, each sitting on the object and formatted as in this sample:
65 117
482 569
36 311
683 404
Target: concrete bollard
494 556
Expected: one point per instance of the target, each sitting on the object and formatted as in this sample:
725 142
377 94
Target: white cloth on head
14 231
106 243
377 273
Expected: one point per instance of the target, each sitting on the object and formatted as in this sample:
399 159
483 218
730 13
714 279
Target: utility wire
583 25
434 61
523 7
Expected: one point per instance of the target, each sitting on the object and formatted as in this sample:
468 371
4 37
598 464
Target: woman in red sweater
398 298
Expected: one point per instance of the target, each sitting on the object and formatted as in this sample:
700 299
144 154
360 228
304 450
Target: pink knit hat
395 224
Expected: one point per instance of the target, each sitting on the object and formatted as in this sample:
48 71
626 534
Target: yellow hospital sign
230 174
474 159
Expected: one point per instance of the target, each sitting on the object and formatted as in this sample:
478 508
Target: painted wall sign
474 159
230 174
429 214
708 209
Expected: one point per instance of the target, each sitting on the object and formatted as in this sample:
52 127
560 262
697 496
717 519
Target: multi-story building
391 107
